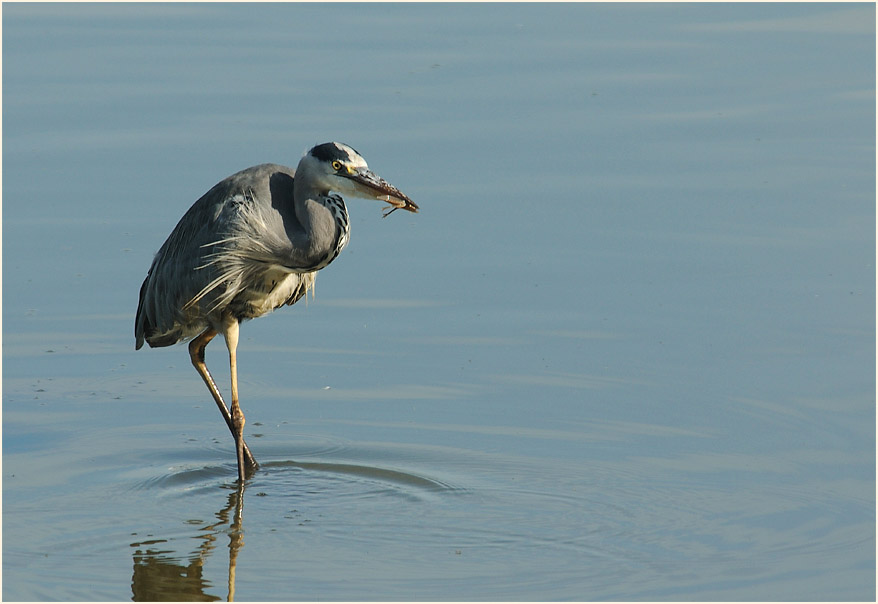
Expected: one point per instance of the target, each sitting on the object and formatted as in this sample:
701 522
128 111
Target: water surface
626 351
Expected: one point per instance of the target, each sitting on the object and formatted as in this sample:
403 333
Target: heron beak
372 186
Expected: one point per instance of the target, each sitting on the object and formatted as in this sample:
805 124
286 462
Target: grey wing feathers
232 231
173 279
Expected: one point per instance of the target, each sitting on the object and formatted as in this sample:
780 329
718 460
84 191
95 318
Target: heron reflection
161 575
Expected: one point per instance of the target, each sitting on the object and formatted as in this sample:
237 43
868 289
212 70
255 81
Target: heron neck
321 232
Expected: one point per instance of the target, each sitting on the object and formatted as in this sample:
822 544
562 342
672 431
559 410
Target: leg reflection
236 537
160 574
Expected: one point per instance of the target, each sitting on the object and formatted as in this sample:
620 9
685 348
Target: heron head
340 168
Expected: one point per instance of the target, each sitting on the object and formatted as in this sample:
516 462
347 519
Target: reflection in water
159 576
163 574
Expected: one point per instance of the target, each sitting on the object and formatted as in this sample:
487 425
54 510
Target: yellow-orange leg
230 332
196 353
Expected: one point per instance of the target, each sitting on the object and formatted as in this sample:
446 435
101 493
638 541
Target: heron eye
336 165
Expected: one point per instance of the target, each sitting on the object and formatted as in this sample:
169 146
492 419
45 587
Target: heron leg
230 333
196 353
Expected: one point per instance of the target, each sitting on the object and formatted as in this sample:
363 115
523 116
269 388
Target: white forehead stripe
356 160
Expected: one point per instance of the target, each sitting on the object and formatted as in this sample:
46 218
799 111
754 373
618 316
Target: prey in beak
371 186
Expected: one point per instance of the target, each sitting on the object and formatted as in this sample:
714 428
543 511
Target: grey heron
251 244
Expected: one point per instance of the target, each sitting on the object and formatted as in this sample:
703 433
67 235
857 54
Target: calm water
626 350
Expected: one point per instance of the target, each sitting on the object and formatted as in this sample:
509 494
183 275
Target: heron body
252 244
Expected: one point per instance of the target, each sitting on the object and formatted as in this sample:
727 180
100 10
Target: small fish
398 203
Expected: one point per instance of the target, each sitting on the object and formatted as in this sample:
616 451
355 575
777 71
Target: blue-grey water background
625 351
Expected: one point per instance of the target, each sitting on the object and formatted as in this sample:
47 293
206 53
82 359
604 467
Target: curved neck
323 220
